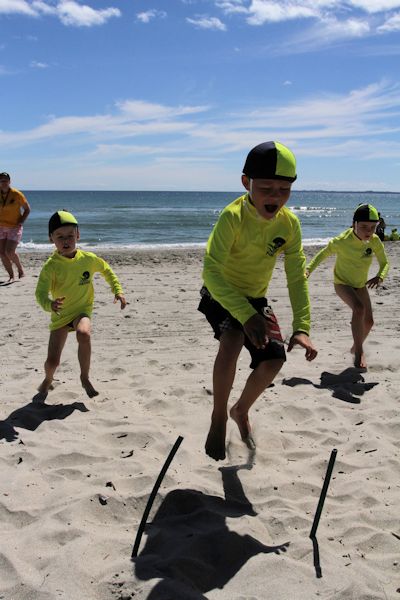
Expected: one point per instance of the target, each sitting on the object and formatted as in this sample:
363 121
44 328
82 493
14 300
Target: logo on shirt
275 245
85 279
368 252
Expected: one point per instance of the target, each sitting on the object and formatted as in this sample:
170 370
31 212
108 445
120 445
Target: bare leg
362 320
56 344
231 343
5 260
257 382
83 330
13 257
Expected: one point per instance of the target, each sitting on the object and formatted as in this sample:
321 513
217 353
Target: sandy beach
76 473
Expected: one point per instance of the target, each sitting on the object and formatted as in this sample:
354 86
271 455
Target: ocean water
149 219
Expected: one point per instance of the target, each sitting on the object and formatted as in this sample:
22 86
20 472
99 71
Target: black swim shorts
221 320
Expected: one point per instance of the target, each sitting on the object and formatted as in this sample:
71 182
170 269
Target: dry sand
236 530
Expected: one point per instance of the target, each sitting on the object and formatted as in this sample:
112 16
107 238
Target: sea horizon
184 219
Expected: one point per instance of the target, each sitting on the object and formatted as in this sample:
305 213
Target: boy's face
64 238
364 230
267 195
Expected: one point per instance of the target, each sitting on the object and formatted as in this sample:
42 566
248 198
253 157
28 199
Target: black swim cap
61 218
366 212
270 160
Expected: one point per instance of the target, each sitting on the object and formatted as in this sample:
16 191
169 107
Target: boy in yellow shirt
68 277
354 249
240 258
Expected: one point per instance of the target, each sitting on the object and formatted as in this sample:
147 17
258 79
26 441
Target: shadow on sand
346 386
33 414
189 545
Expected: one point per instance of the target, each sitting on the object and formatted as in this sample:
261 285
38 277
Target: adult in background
380 228
14 210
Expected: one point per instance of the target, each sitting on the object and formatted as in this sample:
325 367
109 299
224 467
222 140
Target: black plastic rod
323 493
153 495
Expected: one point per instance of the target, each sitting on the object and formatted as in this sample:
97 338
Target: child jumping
239 261
354 249
68 276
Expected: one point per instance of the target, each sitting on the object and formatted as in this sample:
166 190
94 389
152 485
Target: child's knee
358 308
83 336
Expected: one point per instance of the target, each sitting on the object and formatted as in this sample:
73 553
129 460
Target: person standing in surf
239 261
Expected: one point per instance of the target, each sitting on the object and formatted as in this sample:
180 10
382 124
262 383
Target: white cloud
207 23
232 6
148 15
81 15
392 24
375 6
264 11
70 12
38 65
16 6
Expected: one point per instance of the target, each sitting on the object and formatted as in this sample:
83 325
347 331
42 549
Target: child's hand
304 341
56 305
307 274
256 329
374 282
120 298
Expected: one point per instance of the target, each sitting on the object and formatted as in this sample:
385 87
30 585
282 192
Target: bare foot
89 389
360 360
215 443
242 421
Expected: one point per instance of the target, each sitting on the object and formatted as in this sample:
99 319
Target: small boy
354 249
239 261
68 276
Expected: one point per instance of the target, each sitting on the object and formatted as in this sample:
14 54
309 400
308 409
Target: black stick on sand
153 495
323 493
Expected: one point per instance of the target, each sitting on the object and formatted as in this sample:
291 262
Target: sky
172 94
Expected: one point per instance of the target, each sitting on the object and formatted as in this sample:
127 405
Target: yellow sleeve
322 255
106 271
43 288
295 263
218 249
382 258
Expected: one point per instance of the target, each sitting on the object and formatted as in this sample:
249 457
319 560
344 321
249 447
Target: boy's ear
51 237
246 182
78 235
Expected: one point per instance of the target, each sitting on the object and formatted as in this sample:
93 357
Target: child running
354 249
239 261
68 276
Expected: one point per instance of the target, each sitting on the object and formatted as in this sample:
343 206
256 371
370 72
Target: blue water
147 219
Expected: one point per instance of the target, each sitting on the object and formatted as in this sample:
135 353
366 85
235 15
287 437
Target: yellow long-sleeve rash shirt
72 278
240 258
353 258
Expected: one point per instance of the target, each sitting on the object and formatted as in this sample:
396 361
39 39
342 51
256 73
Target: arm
297 283
25 213
318 258
381 256
382 260
106 271
298 293
43 288
218 248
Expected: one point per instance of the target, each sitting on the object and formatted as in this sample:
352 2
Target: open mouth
270 208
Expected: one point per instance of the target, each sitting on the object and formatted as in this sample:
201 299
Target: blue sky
171 94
